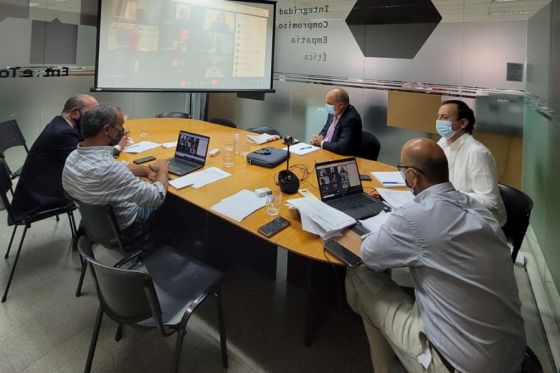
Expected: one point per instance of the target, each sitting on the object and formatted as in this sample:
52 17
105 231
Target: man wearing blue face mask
472 168
342 134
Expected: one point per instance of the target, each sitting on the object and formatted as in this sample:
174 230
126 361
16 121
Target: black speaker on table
287 180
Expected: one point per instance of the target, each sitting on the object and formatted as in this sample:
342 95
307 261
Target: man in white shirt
472 168
466 315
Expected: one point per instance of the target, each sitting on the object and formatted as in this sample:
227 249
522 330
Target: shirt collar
103 150
459 142
434 189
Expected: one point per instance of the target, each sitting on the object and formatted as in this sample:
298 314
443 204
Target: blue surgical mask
330 109
444 128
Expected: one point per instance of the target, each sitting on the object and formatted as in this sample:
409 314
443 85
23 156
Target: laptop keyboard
350 202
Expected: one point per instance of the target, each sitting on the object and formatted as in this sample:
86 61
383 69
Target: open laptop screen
192 147
338 178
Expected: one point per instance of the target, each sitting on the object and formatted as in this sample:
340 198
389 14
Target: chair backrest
5 186
223 122
264 129
370 146
10 136
518 208
127 296
100 224
174 114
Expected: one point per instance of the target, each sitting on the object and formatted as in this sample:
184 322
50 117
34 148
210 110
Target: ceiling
450 10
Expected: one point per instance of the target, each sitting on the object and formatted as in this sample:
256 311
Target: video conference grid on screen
185 44
337 179
192 147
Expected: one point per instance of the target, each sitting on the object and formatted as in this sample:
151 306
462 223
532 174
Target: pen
305 147
391 182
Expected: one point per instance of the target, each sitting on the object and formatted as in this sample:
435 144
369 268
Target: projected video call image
184 44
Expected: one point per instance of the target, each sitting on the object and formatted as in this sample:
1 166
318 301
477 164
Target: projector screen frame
96 87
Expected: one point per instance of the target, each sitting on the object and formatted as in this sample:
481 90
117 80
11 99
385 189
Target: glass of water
228 154
273 203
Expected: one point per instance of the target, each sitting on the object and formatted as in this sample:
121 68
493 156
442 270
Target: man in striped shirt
93 176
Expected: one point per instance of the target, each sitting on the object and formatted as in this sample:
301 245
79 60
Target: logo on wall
33 72
392 28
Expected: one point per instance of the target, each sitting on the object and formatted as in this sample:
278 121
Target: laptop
190 153
340 187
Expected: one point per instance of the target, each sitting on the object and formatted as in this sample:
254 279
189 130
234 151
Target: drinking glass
228 154
245 147
273 202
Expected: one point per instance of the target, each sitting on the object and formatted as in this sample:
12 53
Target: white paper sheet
140 147
240 205
200 178
375 222
171 144
302 148
262 138
389 179
395 198
319 218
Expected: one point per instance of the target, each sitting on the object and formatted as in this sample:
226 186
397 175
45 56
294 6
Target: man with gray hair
342 133
466 316
93 176
39 187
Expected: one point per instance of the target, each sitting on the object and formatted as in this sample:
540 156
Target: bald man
466 315
40 186
342 134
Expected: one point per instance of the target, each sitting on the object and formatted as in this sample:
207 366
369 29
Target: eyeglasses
403 168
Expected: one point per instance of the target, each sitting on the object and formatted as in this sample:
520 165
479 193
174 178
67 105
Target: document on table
302 148
200 178
396 198
262 138
171 144
140 147
240 205
389 178
319 218
375 222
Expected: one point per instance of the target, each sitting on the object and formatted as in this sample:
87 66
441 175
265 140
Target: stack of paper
319 218
262 138
240 205
171 144
140 147
389 178
302 148
200 178
395 198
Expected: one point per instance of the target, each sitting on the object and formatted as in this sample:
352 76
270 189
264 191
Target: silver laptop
190 153
340 187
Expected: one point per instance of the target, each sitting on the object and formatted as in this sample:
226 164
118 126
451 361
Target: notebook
340 187
190 153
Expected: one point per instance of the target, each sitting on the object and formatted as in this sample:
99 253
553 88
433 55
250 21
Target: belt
446 363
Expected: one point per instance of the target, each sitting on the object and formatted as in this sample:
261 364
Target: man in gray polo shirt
466 315
91 175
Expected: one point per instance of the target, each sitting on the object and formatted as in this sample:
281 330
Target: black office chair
11 136
370 146
264 129
100 225
26 221
174 114
161 291
518 208
223 122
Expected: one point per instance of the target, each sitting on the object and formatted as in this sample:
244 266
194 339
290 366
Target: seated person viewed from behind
472 168
342 133
466 315
40 187
93 176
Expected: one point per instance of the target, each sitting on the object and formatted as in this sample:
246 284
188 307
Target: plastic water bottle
236 143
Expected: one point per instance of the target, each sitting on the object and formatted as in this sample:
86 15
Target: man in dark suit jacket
342 133
40 184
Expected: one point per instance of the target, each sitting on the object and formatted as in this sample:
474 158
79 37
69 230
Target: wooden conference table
245 176
306 257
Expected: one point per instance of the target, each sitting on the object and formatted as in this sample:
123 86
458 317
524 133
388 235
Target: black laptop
190 153
341 187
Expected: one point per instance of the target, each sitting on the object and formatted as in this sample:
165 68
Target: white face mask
330 109
445 128
403 174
